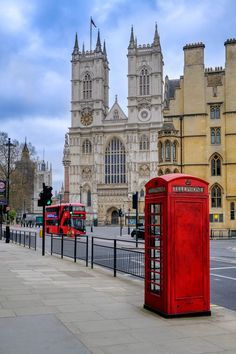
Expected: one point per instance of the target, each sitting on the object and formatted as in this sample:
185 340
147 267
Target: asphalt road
223 273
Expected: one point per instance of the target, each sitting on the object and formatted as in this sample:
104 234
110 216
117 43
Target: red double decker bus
65 218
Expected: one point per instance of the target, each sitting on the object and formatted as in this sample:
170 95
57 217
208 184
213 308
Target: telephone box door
154 251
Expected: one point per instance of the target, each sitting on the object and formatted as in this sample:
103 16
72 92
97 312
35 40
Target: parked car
138 232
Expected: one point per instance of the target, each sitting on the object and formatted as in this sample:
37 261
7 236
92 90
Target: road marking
222 276
223 268
222 260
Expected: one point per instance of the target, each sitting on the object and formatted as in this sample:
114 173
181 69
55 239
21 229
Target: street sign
3 199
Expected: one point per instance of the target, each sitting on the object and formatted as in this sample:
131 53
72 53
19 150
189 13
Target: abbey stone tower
107 155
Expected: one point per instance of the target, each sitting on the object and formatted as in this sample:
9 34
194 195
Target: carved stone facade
109 155
199 133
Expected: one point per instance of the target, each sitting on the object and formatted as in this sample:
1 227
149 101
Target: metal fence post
62 245
75 248
35 246
87 251
114 258
92 253
51 244
24 239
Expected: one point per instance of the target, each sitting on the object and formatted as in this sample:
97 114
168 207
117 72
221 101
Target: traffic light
45 197
120 212
135 200
47 192
41 200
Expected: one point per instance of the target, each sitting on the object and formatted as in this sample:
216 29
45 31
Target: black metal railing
23 238
114 254
222 234
76 248
118 255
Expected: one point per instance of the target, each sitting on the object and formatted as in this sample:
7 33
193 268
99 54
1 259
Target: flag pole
90 33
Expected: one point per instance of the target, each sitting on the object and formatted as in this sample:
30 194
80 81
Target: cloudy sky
37 39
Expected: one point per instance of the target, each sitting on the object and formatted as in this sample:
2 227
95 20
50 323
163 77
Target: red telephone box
177 271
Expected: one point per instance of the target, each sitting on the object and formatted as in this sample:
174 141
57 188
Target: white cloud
103 8
189 15
15 15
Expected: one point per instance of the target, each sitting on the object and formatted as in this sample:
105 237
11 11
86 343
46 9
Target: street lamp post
9 145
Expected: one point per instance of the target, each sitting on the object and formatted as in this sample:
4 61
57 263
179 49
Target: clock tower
89 85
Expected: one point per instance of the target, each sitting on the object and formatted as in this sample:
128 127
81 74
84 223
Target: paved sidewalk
54 306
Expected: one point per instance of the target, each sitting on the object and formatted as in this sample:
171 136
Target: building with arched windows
109 155
199 132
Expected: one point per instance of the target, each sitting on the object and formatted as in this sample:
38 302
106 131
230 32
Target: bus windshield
78 224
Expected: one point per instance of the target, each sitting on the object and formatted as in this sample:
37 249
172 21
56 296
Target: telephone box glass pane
154 245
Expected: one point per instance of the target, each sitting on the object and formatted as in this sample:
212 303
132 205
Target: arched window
176 170
160 172
218 140
167 151
87 87
216 165
89 199
143 143
87 147
174 151
160 151
215 136
216 196
167 171
142 193
215 112
144 82
115 162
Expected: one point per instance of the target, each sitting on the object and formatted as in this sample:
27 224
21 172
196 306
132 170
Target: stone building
109 155
43 174
199 132
27 182
22 183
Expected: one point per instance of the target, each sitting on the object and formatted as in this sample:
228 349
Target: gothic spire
76 46
83 50
104 49
156 40
98 45
25 151
131 41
